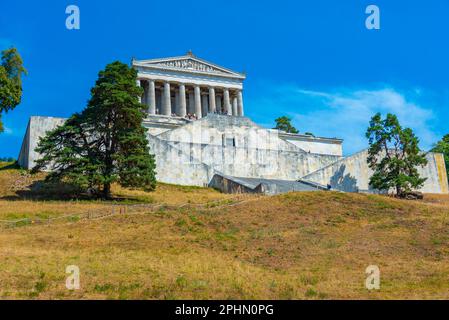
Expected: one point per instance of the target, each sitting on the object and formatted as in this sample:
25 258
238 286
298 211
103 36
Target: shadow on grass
57 191
9 166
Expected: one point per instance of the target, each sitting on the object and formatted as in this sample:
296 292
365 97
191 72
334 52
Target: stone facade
37 128
221 147
352 174
233 146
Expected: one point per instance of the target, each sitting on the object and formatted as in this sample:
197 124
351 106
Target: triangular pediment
187 63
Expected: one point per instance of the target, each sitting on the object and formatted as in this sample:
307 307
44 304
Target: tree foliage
394 156
106 142
11 70
443 147
284 124
7 159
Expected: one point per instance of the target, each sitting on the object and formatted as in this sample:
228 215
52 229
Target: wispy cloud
11 131
8 131
345 113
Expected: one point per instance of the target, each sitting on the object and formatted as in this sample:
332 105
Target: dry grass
292 246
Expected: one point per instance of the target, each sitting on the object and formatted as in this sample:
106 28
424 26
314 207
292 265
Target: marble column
158 101
197 101
235 107
151 97
240 103
182 101
218 104
166 105
177 102
191 102
205 104
227 102
138 84
212 102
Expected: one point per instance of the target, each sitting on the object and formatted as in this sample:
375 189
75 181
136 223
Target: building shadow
343 182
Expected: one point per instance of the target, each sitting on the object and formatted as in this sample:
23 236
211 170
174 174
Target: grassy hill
195 243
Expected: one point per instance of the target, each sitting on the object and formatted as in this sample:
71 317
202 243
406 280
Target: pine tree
394 156
284 124
106 142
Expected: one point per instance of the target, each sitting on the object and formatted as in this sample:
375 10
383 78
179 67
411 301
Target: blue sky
312 60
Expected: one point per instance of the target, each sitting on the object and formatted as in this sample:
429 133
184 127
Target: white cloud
345 113
7 131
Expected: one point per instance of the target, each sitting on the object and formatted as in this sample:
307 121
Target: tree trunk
107 191
399 191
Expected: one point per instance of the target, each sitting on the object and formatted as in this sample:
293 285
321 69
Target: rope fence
118 209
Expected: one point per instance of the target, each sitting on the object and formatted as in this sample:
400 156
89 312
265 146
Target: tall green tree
106 142
394 156
284 124
443 147
11 70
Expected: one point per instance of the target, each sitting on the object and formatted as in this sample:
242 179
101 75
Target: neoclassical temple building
199 135
189 85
